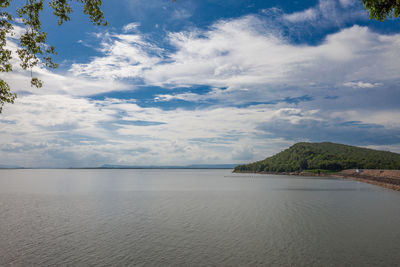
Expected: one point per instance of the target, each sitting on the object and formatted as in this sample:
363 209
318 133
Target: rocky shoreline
385 178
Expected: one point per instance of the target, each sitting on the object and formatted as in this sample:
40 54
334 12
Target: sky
205 82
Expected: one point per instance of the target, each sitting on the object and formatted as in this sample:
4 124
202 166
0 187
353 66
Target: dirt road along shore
385 178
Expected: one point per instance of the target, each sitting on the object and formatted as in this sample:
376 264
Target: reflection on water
193 217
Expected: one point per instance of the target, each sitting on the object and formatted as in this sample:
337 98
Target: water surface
194 218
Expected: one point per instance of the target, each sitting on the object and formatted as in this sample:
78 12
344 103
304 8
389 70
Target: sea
156 217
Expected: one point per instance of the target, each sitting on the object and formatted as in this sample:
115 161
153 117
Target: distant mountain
10 167
324 156
195 166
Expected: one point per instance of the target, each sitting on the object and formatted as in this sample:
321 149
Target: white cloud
65 131
391 148
131 26
306 15
251 61
19 20
234 55
361 84
61 84
17 32
388 118
125 56
245 54
181 14
68 131
328 13
54 83
62 130
347 3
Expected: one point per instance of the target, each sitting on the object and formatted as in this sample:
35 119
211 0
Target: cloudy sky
206 82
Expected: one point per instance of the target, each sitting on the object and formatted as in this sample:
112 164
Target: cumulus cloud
63 130
242 54
54 83
66 131
269 92
230 53
256 66
125 56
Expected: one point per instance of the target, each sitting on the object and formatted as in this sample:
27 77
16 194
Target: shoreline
389 179
385 178
373 182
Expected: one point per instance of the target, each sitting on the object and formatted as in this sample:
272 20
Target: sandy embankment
385 178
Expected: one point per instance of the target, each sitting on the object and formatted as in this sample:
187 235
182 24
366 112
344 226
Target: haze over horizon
206 82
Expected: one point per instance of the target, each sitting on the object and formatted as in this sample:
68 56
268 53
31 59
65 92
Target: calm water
192 218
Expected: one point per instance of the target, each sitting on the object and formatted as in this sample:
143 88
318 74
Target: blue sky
205 82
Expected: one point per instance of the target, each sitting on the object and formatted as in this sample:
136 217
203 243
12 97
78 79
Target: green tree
324 156
382 9
33 47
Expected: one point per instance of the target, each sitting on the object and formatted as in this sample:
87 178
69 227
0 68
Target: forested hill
324 156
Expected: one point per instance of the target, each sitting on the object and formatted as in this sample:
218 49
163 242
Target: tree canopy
33 47
382 9
324 156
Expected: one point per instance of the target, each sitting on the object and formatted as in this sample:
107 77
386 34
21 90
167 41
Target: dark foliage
382 9
324 156
33 47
